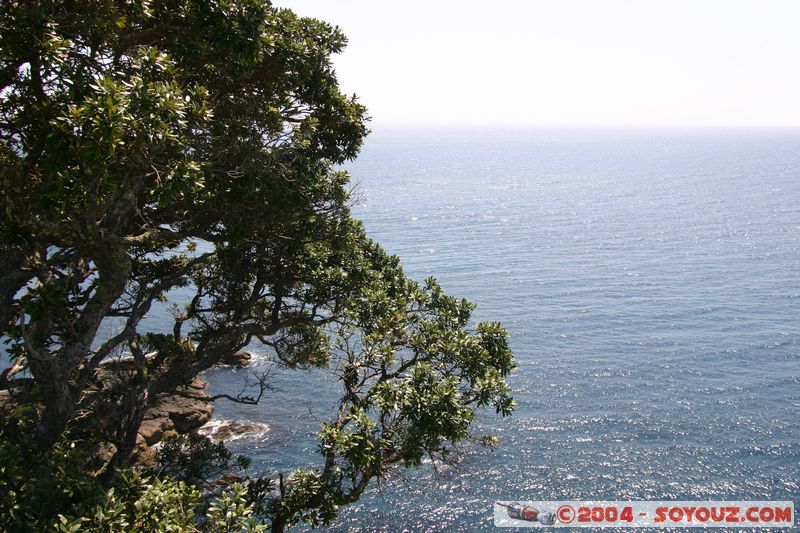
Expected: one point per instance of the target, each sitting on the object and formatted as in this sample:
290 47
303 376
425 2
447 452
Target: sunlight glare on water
650 281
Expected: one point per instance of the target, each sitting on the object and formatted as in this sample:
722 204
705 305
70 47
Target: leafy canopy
148 146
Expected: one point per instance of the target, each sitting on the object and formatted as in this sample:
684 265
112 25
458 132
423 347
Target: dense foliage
194 145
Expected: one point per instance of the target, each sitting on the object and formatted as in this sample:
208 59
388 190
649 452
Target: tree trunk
278 524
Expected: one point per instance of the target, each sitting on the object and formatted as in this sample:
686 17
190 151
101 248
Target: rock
198 384
229 479
183 411
145 456
5 397
191 418
170 415
237 359
152 430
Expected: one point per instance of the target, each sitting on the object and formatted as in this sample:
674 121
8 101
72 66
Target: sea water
650 283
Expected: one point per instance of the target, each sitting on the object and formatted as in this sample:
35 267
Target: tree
149 146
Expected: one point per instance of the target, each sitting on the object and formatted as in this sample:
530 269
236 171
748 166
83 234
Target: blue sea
650 282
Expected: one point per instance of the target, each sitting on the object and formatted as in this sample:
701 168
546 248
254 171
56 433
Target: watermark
740 514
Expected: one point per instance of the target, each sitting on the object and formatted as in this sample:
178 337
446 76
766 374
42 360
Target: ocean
650 283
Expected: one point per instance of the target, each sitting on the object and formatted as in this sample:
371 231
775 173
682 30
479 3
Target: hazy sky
640 62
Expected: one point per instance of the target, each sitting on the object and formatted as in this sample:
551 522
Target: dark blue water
650 281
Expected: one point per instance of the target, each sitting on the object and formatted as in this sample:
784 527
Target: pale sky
571 62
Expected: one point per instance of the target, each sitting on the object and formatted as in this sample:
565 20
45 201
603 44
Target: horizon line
731 126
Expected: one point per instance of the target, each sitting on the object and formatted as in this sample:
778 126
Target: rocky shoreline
171 415
184 411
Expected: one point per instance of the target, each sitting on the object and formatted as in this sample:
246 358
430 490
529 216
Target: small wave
228 430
